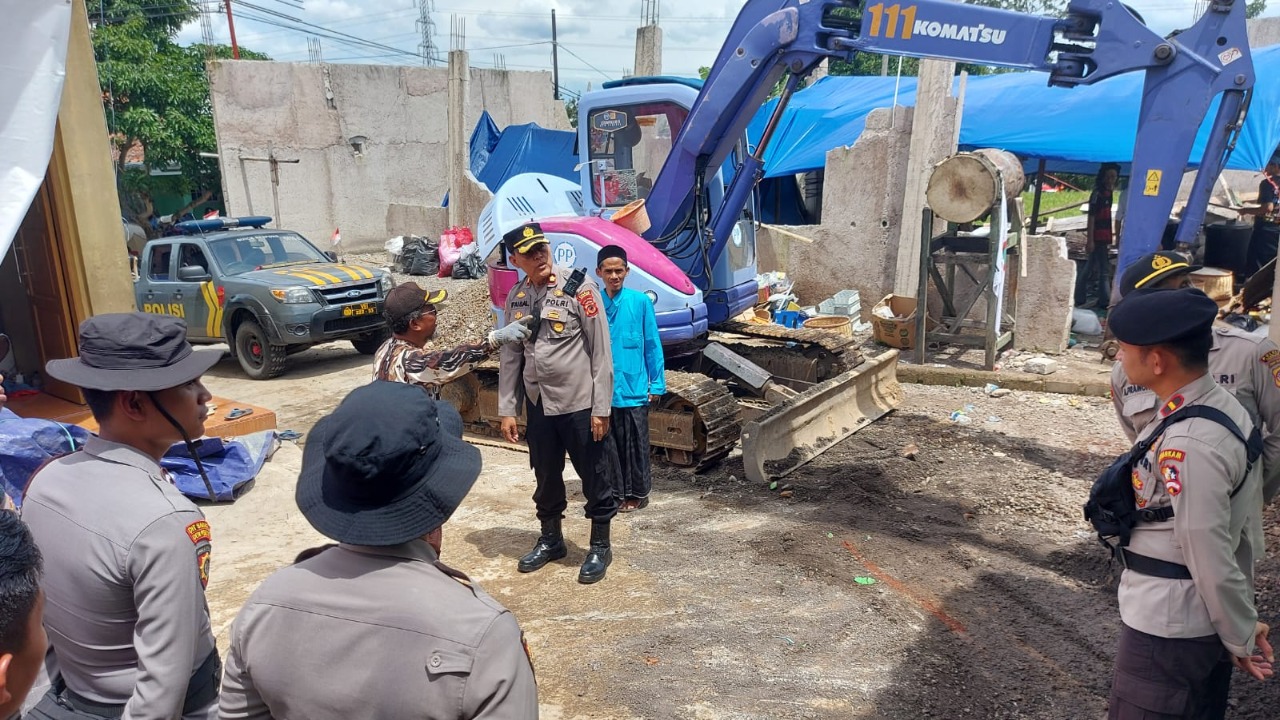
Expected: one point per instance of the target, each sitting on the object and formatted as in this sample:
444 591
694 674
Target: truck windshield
628 146
246 253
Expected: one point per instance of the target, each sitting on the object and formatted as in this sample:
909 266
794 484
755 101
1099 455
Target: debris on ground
466 316
1040 366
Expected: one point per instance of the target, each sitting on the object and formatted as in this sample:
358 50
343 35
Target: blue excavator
680 147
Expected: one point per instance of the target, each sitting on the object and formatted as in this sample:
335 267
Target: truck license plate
361 309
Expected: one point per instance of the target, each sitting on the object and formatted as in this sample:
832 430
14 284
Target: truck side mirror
193 273
333 256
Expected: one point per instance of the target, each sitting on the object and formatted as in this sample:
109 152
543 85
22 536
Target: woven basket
831 323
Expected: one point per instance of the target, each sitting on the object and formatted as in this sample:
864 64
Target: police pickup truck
266 293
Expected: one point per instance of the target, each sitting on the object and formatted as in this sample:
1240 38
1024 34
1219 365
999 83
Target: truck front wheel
369 343
258 357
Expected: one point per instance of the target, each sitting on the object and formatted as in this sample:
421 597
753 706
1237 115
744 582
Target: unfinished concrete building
371 142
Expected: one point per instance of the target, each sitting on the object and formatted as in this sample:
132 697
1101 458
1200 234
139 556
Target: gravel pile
466 318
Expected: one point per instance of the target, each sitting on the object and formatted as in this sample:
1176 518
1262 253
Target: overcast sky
597 37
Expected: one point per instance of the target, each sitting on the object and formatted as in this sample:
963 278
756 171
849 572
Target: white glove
516 332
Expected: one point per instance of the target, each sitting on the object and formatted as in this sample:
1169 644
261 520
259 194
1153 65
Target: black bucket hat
374 477
133 351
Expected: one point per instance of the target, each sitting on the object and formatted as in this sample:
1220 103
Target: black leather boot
598 556
550 547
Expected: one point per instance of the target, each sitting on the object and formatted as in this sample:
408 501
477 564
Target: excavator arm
1096 39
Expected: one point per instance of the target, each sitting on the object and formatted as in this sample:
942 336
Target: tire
258 358
369 343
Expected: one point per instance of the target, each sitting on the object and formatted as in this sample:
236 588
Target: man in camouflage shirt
411 313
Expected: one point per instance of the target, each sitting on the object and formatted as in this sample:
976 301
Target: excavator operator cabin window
628 146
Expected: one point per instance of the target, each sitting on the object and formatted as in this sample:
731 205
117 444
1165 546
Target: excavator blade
796 431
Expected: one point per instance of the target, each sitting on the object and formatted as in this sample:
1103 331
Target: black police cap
524 238
1149 270
1156 317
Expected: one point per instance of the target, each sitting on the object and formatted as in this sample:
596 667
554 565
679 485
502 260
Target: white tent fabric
33 65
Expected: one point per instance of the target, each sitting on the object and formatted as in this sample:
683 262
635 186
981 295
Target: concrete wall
648 50
856 246
1045 296
396 182
1263 31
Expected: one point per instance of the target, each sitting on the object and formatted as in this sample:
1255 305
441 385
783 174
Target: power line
312 28
304 23
593 67
338 38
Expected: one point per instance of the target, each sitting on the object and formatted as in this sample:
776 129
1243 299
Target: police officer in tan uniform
377 626
563 376
127 555
1186 594
1247 366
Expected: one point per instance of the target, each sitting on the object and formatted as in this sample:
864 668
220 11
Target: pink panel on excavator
501 280
639 252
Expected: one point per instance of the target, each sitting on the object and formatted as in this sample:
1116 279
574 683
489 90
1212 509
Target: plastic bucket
633 217
831 323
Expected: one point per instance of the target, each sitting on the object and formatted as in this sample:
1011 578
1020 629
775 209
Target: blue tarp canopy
1071 128
497 155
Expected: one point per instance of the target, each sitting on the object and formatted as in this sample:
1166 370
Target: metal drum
963 187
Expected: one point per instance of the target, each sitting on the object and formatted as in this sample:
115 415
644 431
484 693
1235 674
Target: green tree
571 109
156 96
1254 8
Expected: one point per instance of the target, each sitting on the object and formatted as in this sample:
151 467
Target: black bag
420 256
1112 506
470 266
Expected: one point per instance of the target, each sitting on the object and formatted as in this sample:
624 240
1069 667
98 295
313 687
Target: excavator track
695 424
803 356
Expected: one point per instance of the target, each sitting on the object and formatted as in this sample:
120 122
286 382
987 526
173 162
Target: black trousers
1263 245
1169 678
629 443
550 437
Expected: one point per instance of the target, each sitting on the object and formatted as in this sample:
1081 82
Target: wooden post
1035 204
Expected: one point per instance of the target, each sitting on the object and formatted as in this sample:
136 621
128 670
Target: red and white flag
337 236
211 214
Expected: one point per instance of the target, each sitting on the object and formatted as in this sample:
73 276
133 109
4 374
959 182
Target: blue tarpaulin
27 443
230 465
496 156
1072 128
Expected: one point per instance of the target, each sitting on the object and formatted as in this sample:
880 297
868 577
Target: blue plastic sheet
27 443
497 156
1073 129
230 465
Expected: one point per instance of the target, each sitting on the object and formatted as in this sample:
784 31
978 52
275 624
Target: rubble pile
466 316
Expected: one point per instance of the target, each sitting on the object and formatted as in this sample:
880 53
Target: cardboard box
900 330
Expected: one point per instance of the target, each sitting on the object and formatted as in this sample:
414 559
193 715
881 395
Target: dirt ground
952 579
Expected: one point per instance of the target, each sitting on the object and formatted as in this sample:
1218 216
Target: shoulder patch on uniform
1172 478
1174 403
1270 357
1275 374
588 303
202 563
198 531
1171 455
